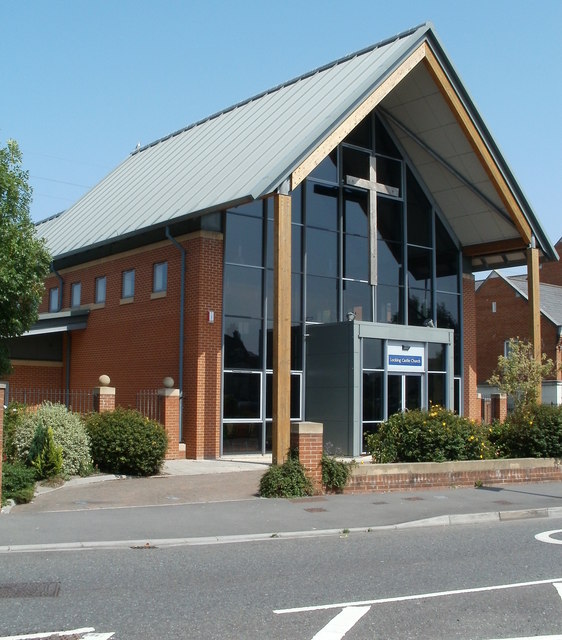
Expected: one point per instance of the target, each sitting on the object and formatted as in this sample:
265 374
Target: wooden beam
494 248
533 286
475 139
281 428
360 113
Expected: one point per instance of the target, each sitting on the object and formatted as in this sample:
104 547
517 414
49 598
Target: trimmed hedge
125 442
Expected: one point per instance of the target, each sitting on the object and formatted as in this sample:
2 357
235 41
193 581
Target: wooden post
534 300
281 428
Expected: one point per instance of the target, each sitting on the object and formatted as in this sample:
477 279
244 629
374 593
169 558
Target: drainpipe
182 322
68 337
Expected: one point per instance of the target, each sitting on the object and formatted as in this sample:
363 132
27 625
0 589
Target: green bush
12 417
433 435
335 473
18 482
69 432
45 455
288 480
535 433
124 441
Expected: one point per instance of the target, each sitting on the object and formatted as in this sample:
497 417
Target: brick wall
203 347
551 272
510 320
472 406
136 342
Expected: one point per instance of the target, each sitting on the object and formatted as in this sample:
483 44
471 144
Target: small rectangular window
128 287
54 299
101 285
160 277
493 307
75 294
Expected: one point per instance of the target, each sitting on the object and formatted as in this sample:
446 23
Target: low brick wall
367 478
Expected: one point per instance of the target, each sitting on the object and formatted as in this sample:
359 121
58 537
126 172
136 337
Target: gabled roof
275 139
550 295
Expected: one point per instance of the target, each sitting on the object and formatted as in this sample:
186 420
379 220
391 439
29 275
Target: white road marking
341 624
555 637
420 596
558 587
89 634
546 536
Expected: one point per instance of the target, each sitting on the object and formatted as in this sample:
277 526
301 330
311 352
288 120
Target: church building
308 254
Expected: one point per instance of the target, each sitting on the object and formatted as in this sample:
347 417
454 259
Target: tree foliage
519 374
24 259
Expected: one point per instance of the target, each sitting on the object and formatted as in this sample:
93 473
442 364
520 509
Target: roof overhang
60 322
435 122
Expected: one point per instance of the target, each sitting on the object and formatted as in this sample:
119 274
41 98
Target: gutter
182 323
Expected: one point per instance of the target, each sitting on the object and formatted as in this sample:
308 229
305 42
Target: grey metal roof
249 150
239 154
550 297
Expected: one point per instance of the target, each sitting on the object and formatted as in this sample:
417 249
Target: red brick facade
472 406
136 341
502 313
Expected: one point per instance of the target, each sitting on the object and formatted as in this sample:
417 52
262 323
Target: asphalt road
475 581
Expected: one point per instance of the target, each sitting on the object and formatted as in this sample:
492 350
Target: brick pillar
472 407
202 390
307 439
2 400
499 407
104 396
169 409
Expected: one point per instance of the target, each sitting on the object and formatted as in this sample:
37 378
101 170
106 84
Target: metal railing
77 400
148 404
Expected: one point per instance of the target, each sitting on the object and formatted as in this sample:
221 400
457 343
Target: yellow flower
443 424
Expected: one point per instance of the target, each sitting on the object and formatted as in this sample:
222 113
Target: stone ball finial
104 381
168 382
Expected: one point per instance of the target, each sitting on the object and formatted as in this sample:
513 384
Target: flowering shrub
435 435
124 441
68 432
535 433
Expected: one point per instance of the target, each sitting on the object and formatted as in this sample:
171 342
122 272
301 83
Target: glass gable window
418 270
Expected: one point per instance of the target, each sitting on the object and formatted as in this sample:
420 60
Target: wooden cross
373 187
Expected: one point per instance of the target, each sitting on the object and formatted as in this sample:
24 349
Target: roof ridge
308 74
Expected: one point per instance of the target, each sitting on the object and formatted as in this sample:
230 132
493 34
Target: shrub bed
530 433
18 482
288 480
435 435
68 432
125 442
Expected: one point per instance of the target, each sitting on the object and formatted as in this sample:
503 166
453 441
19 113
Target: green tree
519 374
24 259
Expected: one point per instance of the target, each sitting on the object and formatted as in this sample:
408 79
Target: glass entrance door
404 392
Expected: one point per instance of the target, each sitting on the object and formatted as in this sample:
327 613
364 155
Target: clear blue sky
83 81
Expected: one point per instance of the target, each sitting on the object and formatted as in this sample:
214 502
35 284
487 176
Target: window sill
158 294
126 300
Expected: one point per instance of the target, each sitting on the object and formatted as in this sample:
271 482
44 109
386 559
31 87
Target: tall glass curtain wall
418 273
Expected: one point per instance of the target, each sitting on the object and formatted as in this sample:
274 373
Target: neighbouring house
502 313
308 254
